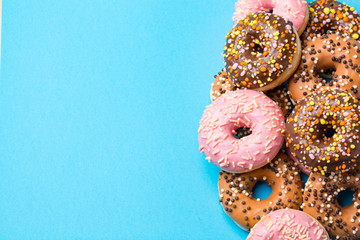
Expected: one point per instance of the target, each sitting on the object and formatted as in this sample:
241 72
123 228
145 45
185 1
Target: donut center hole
271 11
326 74
345 198
242 132
329 132
325 132
261 190
258 48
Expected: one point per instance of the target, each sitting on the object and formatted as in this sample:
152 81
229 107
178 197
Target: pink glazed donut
260 120
295 11
288 224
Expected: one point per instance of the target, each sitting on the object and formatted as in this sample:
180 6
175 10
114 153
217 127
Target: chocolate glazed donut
237 198
320 201
322 132
331 16
261 51
327 52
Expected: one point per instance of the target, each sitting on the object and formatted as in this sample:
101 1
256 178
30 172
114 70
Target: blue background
99 109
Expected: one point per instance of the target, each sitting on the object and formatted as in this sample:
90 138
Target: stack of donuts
287 103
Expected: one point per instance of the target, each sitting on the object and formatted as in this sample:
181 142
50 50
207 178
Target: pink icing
291 10
288 224
241 108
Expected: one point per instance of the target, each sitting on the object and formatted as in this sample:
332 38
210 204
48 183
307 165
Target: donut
236 194
297 163
242 132
322 131
320 201
295 11
221 84
241 109
322 53
261 51
331 16
281 96
288 224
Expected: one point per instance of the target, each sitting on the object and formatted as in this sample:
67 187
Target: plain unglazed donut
237 198
235 109
295 11
261 51
320 201
340 53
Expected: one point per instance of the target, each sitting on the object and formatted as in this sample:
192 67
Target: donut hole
258 48
326 132
271 10
329 132
242 132
345 198
326 74
261 190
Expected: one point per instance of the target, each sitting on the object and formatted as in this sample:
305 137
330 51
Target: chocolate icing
331 16
322 131
259 49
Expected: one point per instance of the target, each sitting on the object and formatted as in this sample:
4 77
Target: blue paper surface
100 103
